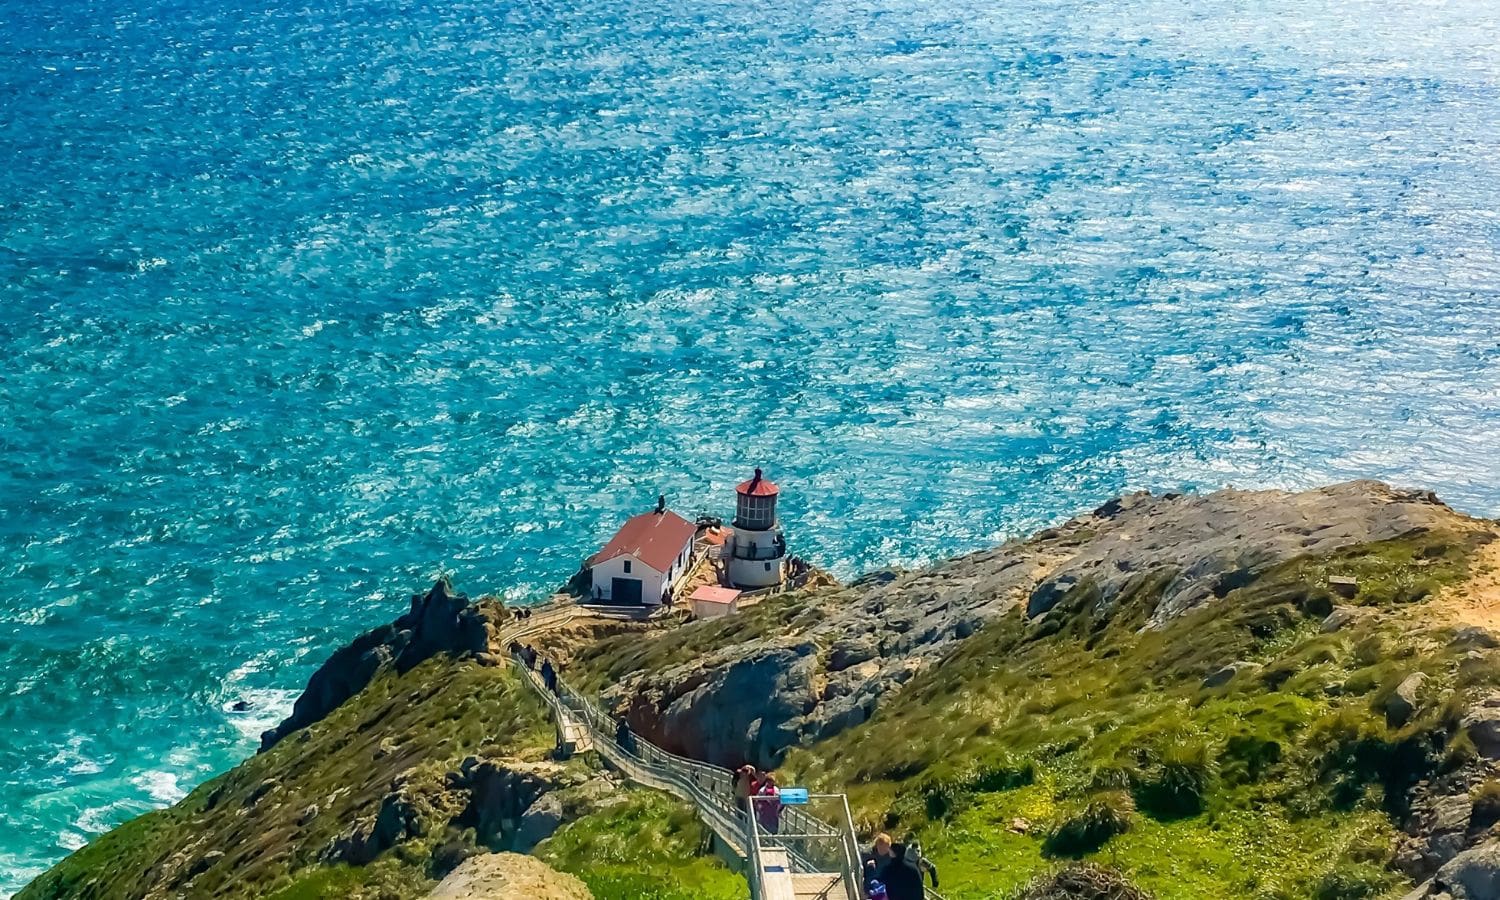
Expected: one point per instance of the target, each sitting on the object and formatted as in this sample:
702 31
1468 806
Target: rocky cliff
753 694
1243 694
439 621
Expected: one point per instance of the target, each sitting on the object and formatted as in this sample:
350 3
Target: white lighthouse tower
756 550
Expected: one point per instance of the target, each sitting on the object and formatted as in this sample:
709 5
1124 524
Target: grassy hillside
647 847
1081 736
258 830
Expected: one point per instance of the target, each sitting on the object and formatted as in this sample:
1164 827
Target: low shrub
1359 751
1486 799
1105 815
1082 881
1353 882
1006 774
1178 784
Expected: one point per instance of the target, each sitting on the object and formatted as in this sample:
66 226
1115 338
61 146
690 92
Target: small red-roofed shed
710 602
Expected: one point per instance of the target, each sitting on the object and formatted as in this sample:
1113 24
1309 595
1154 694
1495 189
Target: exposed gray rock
499 794
538 823
1342 617
851 652
439 621
1048 594
1403 701
1474 638
751 701
1222 675
1472 875
1483 726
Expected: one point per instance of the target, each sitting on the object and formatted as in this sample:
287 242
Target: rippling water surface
301 304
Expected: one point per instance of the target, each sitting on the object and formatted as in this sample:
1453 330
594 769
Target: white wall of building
653 583
706 609
768 566
650 579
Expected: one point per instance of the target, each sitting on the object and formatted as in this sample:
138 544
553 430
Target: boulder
1403 701
1048 594
851 652
1342 617
1482 723
1474 638
1221 676
1471 875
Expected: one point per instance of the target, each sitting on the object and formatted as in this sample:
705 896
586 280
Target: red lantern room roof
757 486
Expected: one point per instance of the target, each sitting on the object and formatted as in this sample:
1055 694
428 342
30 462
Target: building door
625 590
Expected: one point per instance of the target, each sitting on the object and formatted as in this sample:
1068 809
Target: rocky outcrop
439 621
1471 875
509 805
502 876
1224 540
1222 675
1482 723
753 700
1404 700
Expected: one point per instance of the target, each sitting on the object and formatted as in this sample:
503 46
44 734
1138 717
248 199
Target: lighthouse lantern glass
756 513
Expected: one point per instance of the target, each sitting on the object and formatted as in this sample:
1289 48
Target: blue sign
794 796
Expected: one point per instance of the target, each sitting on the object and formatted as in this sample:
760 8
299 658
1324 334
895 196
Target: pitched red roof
758 486
653 538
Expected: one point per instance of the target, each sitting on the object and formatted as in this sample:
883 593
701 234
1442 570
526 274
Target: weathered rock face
752 701
439 621
1220 541
1471 875
1404 700
508 875
511 805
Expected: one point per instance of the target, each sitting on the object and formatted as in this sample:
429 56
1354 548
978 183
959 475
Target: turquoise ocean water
302 304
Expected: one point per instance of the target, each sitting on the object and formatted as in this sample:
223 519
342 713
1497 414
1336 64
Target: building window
627 567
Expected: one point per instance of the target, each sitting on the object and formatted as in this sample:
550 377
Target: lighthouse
756 550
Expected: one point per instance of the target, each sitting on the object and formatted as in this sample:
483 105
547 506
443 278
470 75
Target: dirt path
1477 600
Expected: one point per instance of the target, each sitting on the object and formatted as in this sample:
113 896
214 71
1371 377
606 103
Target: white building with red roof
644 560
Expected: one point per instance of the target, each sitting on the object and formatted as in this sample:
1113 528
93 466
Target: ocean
303 304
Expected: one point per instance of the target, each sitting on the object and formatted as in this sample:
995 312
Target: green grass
426 720
648 847
1284 782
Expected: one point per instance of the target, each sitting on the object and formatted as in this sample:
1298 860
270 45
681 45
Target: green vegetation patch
647 847
269 818
1084 735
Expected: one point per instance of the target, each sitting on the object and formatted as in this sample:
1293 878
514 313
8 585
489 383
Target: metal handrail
709 788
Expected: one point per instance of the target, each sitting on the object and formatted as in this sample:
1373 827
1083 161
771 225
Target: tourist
768 805
902 872
879 857
549 675
624 738
746 782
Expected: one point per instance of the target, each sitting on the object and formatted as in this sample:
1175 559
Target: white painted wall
651 580
653 583
765 570
706 610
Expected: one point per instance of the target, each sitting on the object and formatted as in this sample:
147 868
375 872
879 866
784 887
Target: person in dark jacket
624 738
549 675
903 874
